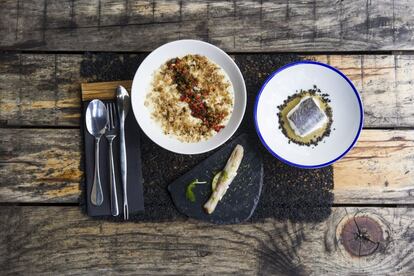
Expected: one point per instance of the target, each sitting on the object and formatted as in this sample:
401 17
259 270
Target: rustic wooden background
43 45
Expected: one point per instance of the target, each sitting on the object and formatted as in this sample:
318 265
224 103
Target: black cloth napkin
134 169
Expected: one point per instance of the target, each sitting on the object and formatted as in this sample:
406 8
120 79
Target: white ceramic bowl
141 85
346 108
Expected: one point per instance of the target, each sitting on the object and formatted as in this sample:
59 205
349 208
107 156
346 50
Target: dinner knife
123 103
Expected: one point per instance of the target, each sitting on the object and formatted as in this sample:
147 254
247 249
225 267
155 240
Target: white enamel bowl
346 108
141 85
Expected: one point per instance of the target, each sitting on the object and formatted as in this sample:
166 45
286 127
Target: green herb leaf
189 194
215 181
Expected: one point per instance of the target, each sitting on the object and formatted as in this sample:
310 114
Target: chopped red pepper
185 85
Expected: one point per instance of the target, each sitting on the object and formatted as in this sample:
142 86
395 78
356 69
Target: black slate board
134 169
240 200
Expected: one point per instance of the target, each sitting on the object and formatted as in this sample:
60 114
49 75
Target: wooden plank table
50 47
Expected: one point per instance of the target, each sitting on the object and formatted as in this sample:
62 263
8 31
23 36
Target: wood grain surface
102 90
40 165
40 89
44 59
44 165
255 26
380 169
44 89
61 240
385 83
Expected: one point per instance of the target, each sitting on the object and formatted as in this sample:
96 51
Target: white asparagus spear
227 175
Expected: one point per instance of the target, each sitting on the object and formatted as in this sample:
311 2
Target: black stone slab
240 200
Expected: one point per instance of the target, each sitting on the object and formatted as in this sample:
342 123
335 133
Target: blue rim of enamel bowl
300 165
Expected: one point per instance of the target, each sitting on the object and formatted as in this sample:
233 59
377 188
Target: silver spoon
123 102
96 121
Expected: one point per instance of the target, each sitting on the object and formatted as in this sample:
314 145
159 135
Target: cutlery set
109 120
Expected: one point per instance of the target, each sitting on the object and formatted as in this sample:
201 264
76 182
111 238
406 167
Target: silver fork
110 135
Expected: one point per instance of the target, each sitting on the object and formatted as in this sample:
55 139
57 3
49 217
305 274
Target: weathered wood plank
385 84
44 89
40 165
39 89
61 240
380 166
45 166
253 25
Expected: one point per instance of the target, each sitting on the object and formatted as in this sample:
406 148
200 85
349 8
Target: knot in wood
361 236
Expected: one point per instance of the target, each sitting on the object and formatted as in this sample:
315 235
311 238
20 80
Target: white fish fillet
303 121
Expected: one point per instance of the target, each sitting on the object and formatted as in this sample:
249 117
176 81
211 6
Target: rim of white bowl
361 119
238 120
